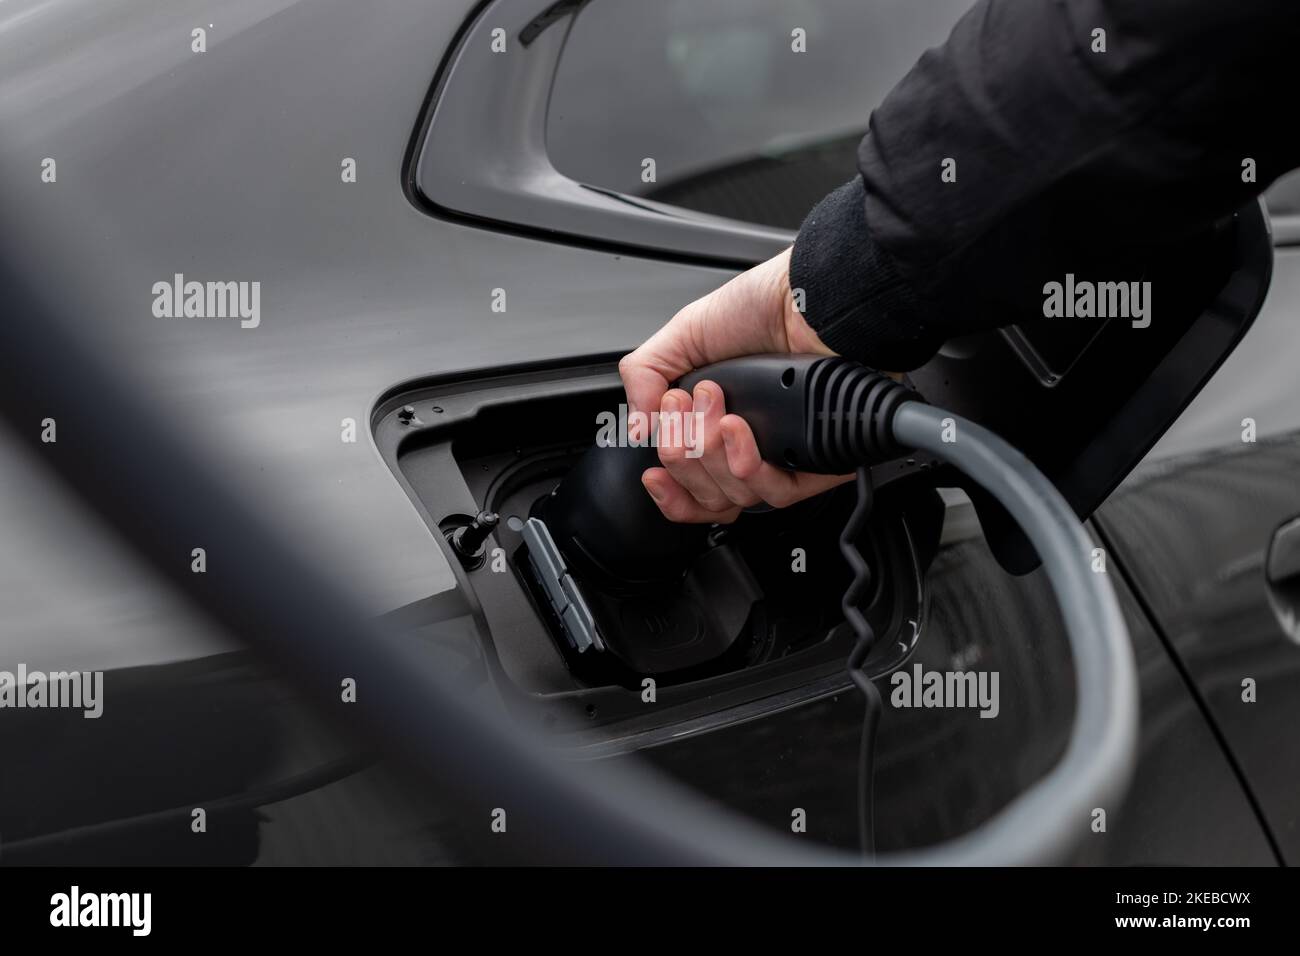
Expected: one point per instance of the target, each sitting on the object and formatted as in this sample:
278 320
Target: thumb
660 360
645 380
644 385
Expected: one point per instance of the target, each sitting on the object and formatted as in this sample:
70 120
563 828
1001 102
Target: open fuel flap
754 624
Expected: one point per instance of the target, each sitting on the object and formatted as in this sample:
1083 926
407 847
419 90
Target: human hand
752 314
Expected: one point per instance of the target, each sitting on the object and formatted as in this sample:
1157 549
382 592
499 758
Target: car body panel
1194 525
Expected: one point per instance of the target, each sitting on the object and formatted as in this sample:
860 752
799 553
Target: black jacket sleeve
1076 135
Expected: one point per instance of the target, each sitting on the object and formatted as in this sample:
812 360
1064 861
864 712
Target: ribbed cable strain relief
852 415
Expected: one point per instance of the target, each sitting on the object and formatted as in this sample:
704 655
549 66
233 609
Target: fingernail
702 400
655 492
727 438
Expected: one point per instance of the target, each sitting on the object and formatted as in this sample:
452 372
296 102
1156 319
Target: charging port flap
562 592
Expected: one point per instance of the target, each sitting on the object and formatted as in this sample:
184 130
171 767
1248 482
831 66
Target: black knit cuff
854 297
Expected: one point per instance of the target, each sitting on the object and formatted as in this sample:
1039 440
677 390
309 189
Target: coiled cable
856 592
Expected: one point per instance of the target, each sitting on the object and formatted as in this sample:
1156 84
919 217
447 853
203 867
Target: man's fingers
743 457
710 408
677 504
778 487
686 469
